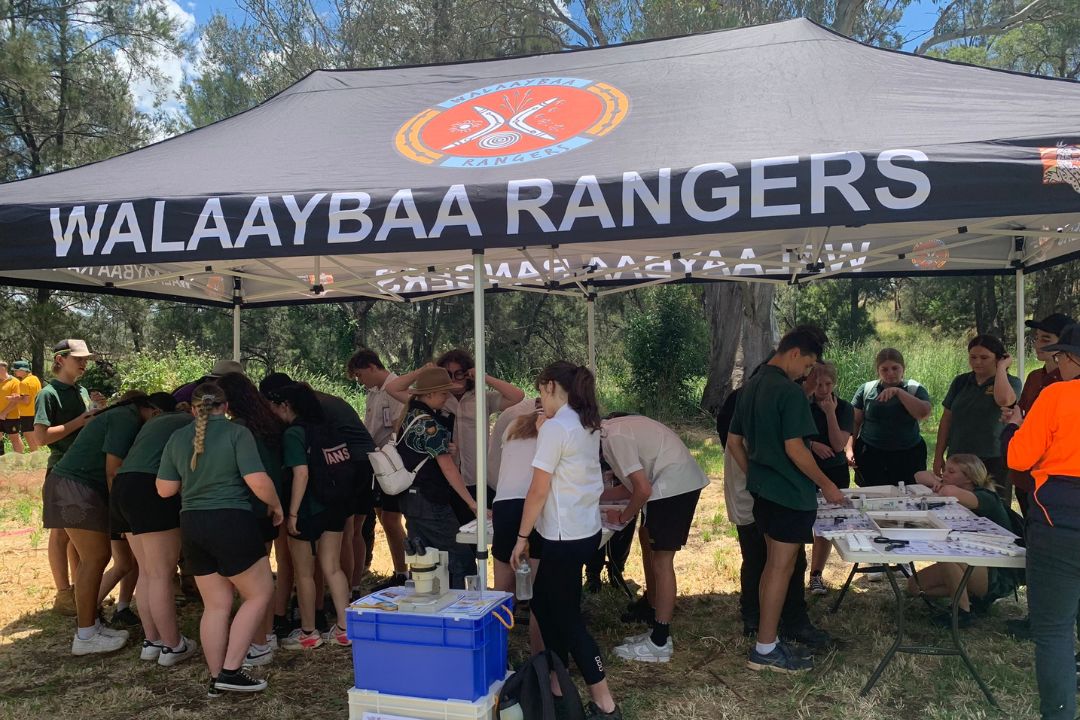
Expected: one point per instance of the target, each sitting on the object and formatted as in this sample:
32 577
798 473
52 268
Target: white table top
916 553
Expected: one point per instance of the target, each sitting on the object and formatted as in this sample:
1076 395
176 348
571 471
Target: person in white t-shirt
659 475
382 413
506 418
561 519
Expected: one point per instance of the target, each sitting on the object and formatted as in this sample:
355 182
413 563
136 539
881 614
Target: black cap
1068 341
1053 324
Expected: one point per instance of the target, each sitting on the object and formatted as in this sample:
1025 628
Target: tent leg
236 333
1021 344
590 311
481 417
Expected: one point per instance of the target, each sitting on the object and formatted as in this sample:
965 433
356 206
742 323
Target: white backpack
389 469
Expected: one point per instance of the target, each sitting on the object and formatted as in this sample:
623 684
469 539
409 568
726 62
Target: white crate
409 708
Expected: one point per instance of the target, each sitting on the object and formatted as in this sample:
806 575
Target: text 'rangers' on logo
513 122
1061 164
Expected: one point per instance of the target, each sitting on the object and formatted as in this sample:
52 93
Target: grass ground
707 679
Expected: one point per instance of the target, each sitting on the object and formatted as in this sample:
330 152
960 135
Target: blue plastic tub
441 656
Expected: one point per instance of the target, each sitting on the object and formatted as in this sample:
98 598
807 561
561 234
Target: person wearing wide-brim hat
1046 442
424 446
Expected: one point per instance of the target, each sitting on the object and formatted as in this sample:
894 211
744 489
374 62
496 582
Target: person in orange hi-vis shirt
1047 442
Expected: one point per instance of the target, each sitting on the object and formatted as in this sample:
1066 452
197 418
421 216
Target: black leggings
888 467
556 603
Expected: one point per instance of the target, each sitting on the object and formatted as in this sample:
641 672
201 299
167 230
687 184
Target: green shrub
162 369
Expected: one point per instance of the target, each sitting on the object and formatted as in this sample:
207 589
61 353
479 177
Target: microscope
430 581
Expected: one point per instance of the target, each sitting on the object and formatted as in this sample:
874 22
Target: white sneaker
272 641
646 651
170 657
112 632
150 651
99 643
635 639
256 657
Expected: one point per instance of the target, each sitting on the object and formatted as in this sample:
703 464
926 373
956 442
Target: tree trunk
986 306
740 319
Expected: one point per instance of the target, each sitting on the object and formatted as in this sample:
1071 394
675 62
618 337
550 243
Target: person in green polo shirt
971 422
213 464
886 447
768 442
75 498
60 412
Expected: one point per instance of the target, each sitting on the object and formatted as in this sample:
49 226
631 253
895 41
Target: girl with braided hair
214 465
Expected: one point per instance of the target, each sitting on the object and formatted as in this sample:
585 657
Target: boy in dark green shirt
767 440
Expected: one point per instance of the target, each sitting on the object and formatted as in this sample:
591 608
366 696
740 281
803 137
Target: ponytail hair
580 387
204 399
301 398
523 427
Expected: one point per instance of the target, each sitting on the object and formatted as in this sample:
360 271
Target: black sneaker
639 612
593 584
749 628
212 691
593 712
125 618
782 660
396 580
964 619
1018 629
807 634
238 681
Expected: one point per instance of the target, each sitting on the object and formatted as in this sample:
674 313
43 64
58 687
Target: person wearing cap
29 387
60 412
1047 332
221 367
425 449
9 408
76 498
1046 443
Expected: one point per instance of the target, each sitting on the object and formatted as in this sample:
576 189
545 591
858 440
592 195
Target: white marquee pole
481 416
1021 344
237 297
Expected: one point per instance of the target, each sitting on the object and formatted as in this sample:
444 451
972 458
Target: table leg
843 591
955 631
899 633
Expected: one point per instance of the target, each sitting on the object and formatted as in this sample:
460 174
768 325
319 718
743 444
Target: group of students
788 436
218 474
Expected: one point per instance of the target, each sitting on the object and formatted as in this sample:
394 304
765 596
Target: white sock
270 638
87 633
122 606
259 648
181 647
766 648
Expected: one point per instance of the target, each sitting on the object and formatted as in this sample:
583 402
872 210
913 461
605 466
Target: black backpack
527 693
331 468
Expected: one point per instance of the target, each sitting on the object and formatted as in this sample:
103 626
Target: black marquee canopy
780 152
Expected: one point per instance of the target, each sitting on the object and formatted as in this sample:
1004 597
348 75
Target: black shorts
267 530
364 502
10 426
68 503
784 524
668 521
385 502
313 526
839 474
226 542
136 507
505 522
26 424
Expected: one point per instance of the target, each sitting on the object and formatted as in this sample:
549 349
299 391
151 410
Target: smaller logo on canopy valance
513 122
1061 164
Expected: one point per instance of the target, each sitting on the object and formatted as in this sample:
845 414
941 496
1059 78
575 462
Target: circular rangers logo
513 122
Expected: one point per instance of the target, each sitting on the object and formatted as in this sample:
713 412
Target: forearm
837 438
52 433
943 434
738 451
511 394
918 409
453 476
299 488
534 501
804 461
638 497
263 487
112 466
1004 395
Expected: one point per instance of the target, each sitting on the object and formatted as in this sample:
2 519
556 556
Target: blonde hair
204 399
973 469
828 369
523 428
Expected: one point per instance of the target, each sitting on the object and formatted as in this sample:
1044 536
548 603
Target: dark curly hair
251 408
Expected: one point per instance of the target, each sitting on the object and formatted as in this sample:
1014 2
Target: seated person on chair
965 479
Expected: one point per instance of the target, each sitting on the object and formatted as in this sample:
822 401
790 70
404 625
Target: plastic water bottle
524 578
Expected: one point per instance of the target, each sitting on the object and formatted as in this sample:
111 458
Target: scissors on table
890 543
